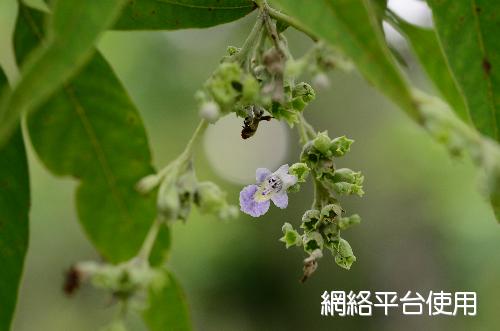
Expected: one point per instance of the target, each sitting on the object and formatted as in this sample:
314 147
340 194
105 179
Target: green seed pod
330 212
312 241
344 256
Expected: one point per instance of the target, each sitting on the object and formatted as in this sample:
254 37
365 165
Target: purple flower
254 199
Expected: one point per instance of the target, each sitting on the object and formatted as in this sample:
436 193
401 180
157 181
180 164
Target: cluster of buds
256 77
179 189
321 226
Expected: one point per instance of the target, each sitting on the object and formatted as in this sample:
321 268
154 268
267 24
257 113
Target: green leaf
352 26
428 50
167 309
91 130
180 14
14 226
72 32
468 32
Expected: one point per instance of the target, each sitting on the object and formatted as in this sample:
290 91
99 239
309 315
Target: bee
251 122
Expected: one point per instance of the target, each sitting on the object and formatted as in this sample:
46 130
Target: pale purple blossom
271 186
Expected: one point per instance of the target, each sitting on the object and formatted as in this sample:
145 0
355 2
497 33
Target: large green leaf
91 130
428 50
167 308
352 26
468 31
180 14
72 32
14 226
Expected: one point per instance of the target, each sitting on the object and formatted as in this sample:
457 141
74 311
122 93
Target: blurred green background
425 225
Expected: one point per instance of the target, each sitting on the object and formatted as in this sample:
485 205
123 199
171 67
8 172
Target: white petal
288 180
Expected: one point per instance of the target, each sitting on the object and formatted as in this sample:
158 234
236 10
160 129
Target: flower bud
340 146
148 183
229 212
210 198
168 202
321 81
304 91
346 222
322 143
348 175
210 111
348 188
231 50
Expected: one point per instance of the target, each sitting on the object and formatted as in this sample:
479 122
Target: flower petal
261 174
283 170
280 200
248 204
288 180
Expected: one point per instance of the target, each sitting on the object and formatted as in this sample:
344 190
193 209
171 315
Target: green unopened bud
210 198
346 222
321 81
290 236
300 170
340 146
148 183
305 91
344 256
312 241
348 176
330 212
168 202
348 188
210 111
229 212
231 50
298 104
323 143
310 220
251 89
224 85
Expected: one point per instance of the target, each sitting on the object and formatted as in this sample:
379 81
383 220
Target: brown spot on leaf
486 66
478 9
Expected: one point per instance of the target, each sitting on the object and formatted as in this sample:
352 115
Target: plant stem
248 46
289 20
309 128
176 165
147 245
302 132
185 156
